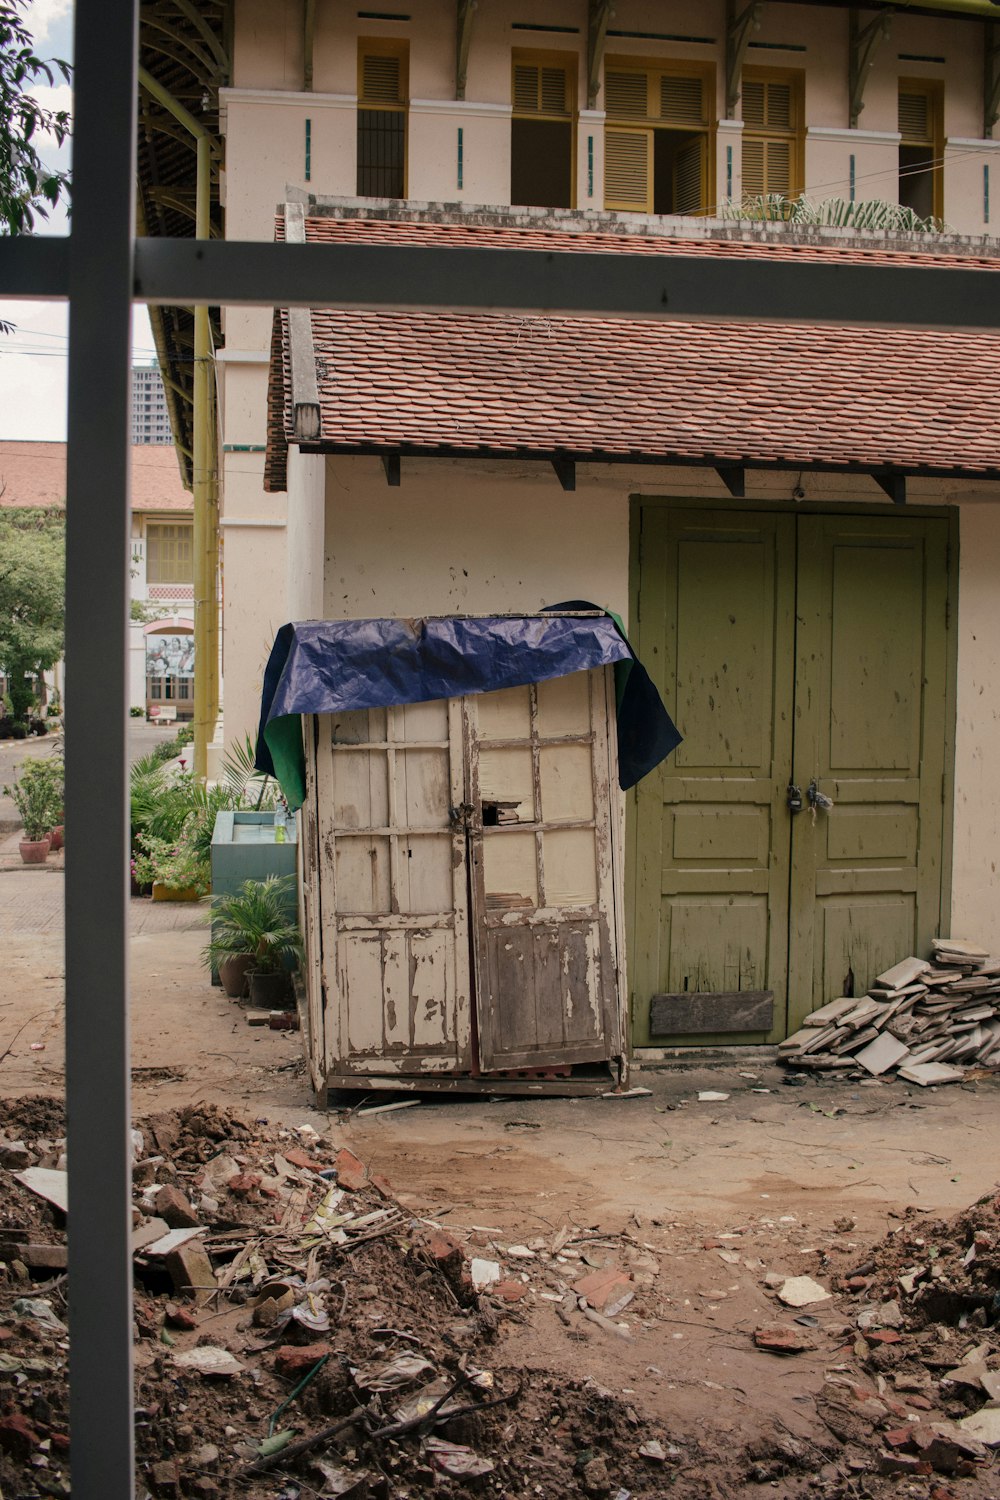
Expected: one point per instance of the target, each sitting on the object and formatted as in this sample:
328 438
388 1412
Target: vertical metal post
98 1099
204 554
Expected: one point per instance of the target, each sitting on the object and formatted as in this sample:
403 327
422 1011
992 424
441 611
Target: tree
32 567
28 188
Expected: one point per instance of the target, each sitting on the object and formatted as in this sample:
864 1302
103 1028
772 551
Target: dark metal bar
34 267
97 521
536 283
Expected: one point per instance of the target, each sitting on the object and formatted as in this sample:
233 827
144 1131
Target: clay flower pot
269 991
233 974
56 838
34 851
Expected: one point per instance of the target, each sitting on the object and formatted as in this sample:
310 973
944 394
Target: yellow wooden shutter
689 197
753 103
626 95
778 106
681 100
381 79
525 89
915 124
626 169
552 91
753 169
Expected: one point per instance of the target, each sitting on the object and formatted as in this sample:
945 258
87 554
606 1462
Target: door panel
538 765
395 915
716 632
810 648
869 729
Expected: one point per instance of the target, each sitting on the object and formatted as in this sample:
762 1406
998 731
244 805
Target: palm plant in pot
256 939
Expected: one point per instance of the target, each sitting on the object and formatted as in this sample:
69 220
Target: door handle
794 798
818 801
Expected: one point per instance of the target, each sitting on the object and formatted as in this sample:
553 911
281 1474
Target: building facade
150 418
657 124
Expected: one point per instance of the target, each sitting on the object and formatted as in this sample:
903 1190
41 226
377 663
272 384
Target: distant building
161 562
150 421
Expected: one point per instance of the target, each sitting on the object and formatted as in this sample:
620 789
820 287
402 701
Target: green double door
797 651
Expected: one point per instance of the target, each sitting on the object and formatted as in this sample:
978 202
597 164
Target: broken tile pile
297 1331
925 1020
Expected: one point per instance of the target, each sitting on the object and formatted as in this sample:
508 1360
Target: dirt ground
700 1203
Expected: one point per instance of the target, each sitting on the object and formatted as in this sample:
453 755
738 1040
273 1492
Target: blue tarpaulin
334 666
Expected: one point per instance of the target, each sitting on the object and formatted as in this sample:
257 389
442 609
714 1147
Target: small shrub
136 711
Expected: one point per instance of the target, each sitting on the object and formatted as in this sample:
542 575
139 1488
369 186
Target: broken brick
17 1436
352 1173
164 1477
175 1210
244 1184
179 1317
295 1360
884 1336
190 1270
781 1340
299 1158
600 1287
902 1463
510 1291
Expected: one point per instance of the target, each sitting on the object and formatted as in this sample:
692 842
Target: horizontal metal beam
535 283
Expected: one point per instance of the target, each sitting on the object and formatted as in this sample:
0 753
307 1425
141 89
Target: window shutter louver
626 95
753 169
626 169
688 197
753 103
779 106
681 100
525 89
380 79
553 91
915 118
778 168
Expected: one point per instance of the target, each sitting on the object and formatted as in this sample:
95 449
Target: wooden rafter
864 43
600 14
463 37
740 25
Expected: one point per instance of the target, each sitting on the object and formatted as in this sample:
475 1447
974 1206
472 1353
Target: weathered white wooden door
539 769
394 890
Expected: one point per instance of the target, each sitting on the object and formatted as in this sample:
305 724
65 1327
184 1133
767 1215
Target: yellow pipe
202 475
204 488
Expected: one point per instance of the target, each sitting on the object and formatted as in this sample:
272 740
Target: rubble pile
297 1332
924 1310
924 1020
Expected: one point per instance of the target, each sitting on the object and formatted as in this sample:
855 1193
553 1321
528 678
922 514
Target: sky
33 359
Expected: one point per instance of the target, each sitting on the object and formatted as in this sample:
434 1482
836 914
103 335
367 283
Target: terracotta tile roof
619 390
34 475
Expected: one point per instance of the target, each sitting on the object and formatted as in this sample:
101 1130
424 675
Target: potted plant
32 795
253 928
174 868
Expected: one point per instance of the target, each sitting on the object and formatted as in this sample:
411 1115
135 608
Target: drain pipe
204 458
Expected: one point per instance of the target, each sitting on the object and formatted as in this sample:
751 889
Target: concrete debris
924 1019
802 1291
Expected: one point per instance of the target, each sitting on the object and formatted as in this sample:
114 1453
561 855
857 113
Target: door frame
949 513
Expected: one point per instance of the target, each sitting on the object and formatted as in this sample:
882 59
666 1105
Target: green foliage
137 711
838 213
28 189
32 567
252 787
256 920
37 794
171 862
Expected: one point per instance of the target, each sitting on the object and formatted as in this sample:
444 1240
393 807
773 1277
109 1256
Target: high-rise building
150 421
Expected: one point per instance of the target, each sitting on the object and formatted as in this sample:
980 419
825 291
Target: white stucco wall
471 537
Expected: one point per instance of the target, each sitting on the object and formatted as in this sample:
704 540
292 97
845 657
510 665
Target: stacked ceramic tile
924 1019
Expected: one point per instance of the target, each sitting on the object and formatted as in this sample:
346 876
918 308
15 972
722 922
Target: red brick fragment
293 1361
884 1336
17 1436
510 1291
352 1173
299 1158
602 1287
899 1437
382 1185
175 1209
782 1340
244 1183
179 1317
